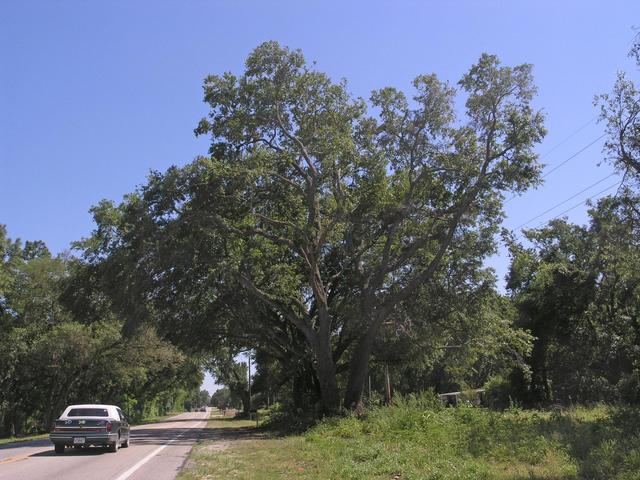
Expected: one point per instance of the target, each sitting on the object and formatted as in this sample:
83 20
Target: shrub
499 393
629 388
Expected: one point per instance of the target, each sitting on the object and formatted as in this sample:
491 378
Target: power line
564 201
581 203
572 156
617 184
566 139
568 159
634 37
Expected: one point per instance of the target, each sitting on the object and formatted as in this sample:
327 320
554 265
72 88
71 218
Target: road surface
157 452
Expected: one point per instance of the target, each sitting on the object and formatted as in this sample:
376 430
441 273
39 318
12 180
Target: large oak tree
322 213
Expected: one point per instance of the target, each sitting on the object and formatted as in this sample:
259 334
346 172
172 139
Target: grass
27 438
417 439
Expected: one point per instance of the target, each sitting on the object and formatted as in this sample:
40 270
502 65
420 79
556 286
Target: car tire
59 448
113 447
128 442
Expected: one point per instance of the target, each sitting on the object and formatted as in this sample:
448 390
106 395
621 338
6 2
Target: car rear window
88 412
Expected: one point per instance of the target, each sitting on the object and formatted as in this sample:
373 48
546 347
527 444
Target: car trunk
81 425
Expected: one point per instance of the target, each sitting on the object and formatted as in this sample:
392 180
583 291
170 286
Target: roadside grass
418 439
26 438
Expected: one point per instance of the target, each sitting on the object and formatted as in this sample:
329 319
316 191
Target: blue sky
93 95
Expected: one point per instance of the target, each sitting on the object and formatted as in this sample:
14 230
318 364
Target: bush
499 393
629 389
284 419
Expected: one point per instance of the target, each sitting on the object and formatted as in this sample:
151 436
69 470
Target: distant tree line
53 353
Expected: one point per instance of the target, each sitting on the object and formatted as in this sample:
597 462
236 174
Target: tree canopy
322 216
343 242
54 353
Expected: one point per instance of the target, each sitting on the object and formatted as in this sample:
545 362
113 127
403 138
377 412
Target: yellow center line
12 459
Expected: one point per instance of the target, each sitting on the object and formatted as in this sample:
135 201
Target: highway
157 452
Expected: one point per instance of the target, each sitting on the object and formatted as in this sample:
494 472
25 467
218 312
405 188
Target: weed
417 438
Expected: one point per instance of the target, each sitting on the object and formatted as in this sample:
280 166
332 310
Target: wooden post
387 385
249 367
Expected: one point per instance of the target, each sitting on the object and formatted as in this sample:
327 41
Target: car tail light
109 426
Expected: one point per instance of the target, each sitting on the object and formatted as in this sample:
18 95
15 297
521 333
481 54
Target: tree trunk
540 391
387 386
359 369
14 423
326 374
9 425
47 417
244 396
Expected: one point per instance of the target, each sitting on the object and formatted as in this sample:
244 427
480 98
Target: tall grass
418 438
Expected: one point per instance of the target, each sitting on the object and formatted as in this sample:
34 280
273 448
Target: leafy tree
465 338
326 217
30 307
620 110
552 284
615 313
233 375
577 292
54 353
223 398
203 398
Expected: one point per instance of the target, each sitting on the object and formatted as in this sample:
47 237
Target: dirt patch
230 434
218 447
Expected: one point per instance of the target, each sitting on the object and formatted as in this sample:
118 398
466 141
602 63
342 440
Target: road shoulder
220 437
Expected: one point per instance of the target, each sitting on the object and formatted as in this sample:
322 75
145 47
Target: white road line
133 469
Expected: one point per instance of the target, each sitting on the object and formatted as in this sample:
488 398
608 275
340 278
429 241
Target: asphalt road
157 452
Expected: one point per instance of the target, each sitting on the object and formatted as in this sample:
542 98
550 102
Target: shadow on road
176 420
157 436
72 452
182 436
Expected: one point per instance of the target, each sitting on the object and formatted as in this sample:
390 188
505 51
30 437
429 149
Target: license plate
78 440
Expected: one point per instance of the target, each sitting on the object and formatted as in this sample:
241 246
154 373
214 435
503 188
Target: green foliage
455 343
314 223
620 110
577 292
224 398
281 418
505 391
54 353
232 374
418 438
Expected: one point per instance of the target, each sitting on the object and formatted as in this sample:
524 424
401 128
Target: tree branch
301 324
298 142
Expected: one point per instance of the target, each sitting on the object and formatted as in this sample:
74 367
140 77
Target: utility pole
249 364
